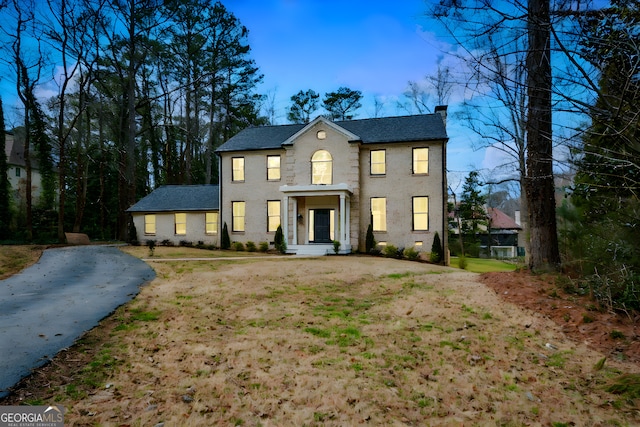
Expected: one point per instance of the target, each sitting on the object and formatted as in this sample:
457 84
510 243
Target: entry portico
318 215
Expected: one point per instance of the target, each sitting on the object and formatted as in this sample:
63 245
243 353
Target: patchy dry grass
14 258
332 341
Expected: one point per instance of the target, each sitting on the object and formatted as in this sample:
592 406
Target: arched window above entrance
321 167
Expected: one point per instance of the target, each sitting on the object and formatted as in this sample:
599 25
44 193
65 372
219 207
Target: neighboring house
178 213
327 181
504 234
500 235
17 172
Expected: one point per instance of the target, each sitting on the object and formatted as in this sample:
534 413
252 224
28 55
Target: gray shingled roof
425 127
176 198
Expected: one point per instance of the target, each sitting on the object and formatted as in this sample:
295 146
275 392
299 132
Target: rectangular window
211 222
237 171
379 213
378 162
149 224
181 224
420 160
237 223
421 213
273 215
273 168
18 172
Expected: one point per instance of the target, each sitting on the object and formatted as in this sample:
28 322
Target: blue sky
375 46
372 46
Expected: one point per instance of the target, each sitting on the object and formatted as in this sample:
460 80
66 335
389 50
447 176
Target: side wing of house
178 215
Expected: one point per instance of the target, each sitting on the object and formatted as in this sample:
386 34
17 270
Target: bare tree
497 111
27 65
419 95
485 22
69 32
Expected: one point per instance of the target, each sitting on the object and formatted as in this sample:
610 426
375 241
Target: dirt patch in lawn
330 341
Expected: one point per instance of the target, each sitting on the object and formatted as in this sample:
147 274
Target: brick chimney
442 110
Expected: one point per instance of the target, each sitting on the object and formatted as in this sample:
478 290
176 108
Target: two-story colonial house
327 181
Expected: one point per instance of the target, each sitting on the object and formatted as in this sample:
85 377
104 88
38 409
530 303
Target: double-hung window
237 169
273 215
211 222
273 168
237 221
421 213
378 162
181 223
150 224
379 213
420 161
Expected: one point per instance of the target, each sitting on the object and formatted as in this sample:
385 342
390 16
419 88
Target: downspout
445 200
442 110
220 189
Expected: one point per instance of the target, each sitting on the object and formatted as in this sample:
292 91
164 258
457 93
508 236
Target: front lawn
485 265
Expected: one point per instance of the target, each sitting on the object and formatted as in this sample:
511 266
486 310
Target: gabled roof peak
324 120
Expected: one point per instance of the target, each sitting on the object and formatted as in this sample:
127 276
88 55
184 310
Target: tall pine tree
607 183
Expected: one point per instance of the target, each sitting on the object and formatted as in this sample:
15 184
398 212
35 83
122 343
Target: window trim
382 217
234 169
155 229
279 168
233 217
175 223
415 162
413 213
269 216
216 222
384 162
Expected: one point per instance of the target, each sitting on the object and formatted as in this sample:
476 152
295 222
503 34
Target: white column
285 226
347 231
295 221
343 227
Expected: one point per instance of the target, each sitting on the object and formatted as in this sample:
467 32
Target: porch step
315 250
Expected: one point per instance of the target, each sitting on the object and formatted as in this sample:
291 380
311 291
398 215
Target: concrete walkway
49 305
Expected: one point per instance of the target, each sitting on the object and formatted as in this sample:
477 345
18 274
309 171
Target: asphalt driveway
47 306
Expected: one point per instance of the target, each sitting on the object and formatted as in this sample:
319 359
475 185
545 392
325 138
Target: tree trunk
540 187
